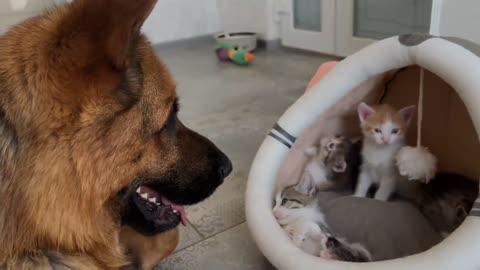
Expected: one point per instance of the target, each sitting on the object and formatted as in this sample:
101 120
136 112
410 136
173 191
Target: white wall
15 11
170 20
460 18
180 19
249 15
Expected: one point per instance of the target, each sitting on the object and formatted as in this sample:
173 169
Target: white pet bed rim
459 250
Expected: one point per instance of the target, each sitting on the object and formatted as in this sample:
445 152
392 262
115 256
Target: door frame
437 7
323 42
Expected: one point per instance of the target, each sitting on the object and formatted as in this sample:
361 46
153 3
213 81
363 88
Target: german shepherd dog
90 142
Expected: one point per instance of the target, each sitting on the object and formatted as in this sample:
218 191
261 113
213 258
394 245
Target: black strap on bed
475 212
282 136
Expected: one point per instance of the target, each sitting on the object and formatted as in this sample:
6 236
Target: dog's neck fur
23 238
18 249
8 144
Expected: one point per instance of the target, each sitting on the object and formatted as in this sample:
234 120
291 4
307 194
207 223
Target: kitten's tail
349 252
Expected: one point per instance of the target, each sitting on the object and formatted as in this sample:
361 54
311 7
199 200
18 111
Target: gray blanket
387 229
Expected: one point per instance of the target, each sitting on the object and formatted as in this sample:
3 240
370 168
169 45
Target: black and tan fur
87 114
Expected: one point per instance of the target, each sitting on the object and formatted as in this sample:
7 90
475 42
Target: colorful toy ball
226 52
223 54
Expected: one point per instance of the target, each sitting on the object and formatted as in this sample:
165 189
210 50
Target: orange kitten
384 131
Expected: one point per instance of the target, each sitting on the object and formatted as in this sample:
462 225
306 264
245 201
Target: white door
309 25
361 22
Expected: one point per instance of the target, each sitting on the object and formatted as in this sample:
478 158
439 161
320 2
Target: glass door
309 25
361 22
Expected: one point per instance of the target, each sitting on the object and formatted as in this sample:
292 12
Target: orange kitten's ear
364 111
407 114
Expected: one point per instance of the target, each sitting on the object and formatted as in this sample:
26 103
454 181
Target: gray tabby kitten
445 201
331 166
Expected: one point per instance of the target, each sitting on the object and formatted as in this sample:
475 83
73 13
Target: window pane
379 19
307 15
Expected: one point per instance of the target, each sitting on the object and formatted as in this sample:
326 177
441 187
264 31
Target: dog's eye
395 131
377 130
170 124
284 201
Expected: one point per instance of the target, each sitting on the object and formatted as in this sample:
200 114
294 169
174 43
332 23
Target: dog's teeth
138 190
175 211
154 200
158 204
144 195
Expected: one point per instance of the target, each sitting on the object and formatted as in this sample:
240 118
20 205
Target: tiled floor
235 107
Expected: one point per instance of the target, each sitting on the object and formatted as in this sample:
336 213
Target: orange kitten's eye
395 131
377 130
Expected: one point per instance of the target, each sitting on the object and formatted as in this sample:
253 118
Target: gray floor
235 107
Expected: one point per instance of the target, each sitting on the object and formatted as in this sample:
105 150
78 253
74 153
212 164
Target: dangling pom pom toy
417 163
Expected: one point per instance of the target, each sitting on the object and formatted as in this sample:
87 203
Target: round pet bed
386 71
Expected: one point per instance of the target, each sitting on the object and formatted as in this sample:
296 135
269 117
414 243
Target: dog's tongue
179 208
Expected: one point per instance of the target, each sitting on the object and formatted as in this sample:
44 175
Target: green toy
227 52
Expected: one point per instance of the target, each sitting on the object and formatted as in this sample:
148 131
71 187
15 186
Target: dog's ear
101 31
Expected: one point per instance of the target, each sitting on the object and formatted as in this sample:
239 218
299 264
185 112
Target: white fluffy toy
417 163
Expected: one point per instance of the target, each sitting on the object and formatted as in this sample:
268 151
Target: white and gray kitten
300 216
304 222
292 205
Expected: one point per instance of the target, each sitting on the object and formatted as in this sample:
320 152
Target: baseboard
190 42
187 42
269 44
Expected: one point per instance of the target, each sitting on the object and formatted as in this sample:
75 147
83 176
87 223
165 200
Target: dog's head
89 131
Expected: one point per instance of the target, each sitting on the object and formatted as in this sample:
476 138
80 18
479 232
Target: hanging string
420 108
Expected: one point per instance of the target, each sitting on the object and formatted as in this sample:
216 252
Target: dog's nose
226 167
